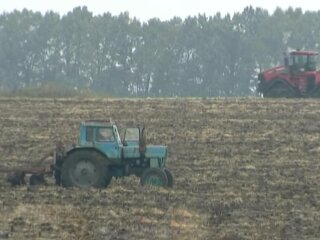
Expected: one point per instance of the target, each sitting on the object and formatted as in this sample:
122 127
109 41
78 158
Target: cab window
104 135
132 134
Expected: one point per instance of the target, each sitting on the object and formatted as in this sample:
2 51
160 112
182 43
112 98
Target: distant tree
121 56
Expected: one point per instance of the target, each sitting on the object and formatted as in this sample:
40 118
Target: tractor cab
103 135
302 61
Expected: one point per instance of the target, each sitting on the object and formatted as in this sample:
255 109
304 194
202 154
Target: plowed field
244 169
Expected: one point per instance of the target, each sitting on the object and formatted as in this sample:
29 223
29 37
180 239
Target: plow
36 174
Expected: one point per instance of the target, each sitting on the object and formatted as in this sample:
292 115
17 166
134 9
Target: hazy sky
163 9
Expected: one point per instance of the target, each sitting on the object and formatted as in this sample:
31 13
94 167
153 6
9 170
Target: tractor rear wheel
154 177
170 178
85 168
279 90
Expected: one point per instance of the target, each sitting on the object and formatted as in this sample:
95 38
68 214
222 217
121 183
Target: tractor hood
156 151
273 72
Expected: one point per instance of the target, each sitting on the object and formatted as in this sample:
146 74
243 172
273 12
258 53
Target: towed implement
16 176
298 77
36 173
101 155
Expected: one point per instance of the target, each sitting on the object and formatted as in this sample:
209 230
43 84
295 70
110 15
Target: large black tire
154 177
169 177
279 89
85 168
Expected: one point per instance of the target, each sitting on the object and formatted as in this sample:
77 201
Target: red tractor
298 77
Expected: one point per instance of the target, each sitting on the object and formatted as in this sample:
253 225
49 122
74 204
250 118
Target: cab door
132 136
134 143
105 139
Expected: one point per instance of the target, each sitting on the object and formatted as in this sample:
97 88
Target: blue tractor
101 155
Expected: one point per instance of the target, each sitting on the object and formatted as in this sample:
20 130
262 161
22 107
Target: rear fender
74 149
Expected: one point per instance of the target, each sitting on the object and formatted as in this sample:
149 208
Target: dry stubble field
244 169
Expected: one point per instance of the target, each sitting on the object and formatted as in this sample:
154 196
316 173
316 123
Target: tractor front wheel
154 177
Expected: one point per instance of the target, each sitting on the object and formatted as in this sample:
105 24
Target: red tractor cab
298 77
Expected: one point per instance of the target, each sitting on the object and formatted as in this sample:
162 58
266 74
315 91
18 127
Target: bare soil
243 168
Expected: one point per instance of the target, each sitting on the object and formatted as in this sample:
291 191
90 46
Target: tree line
119 56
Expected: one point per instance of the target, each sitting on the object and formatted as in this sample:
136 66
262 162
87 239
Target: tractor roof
304 53
98 122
